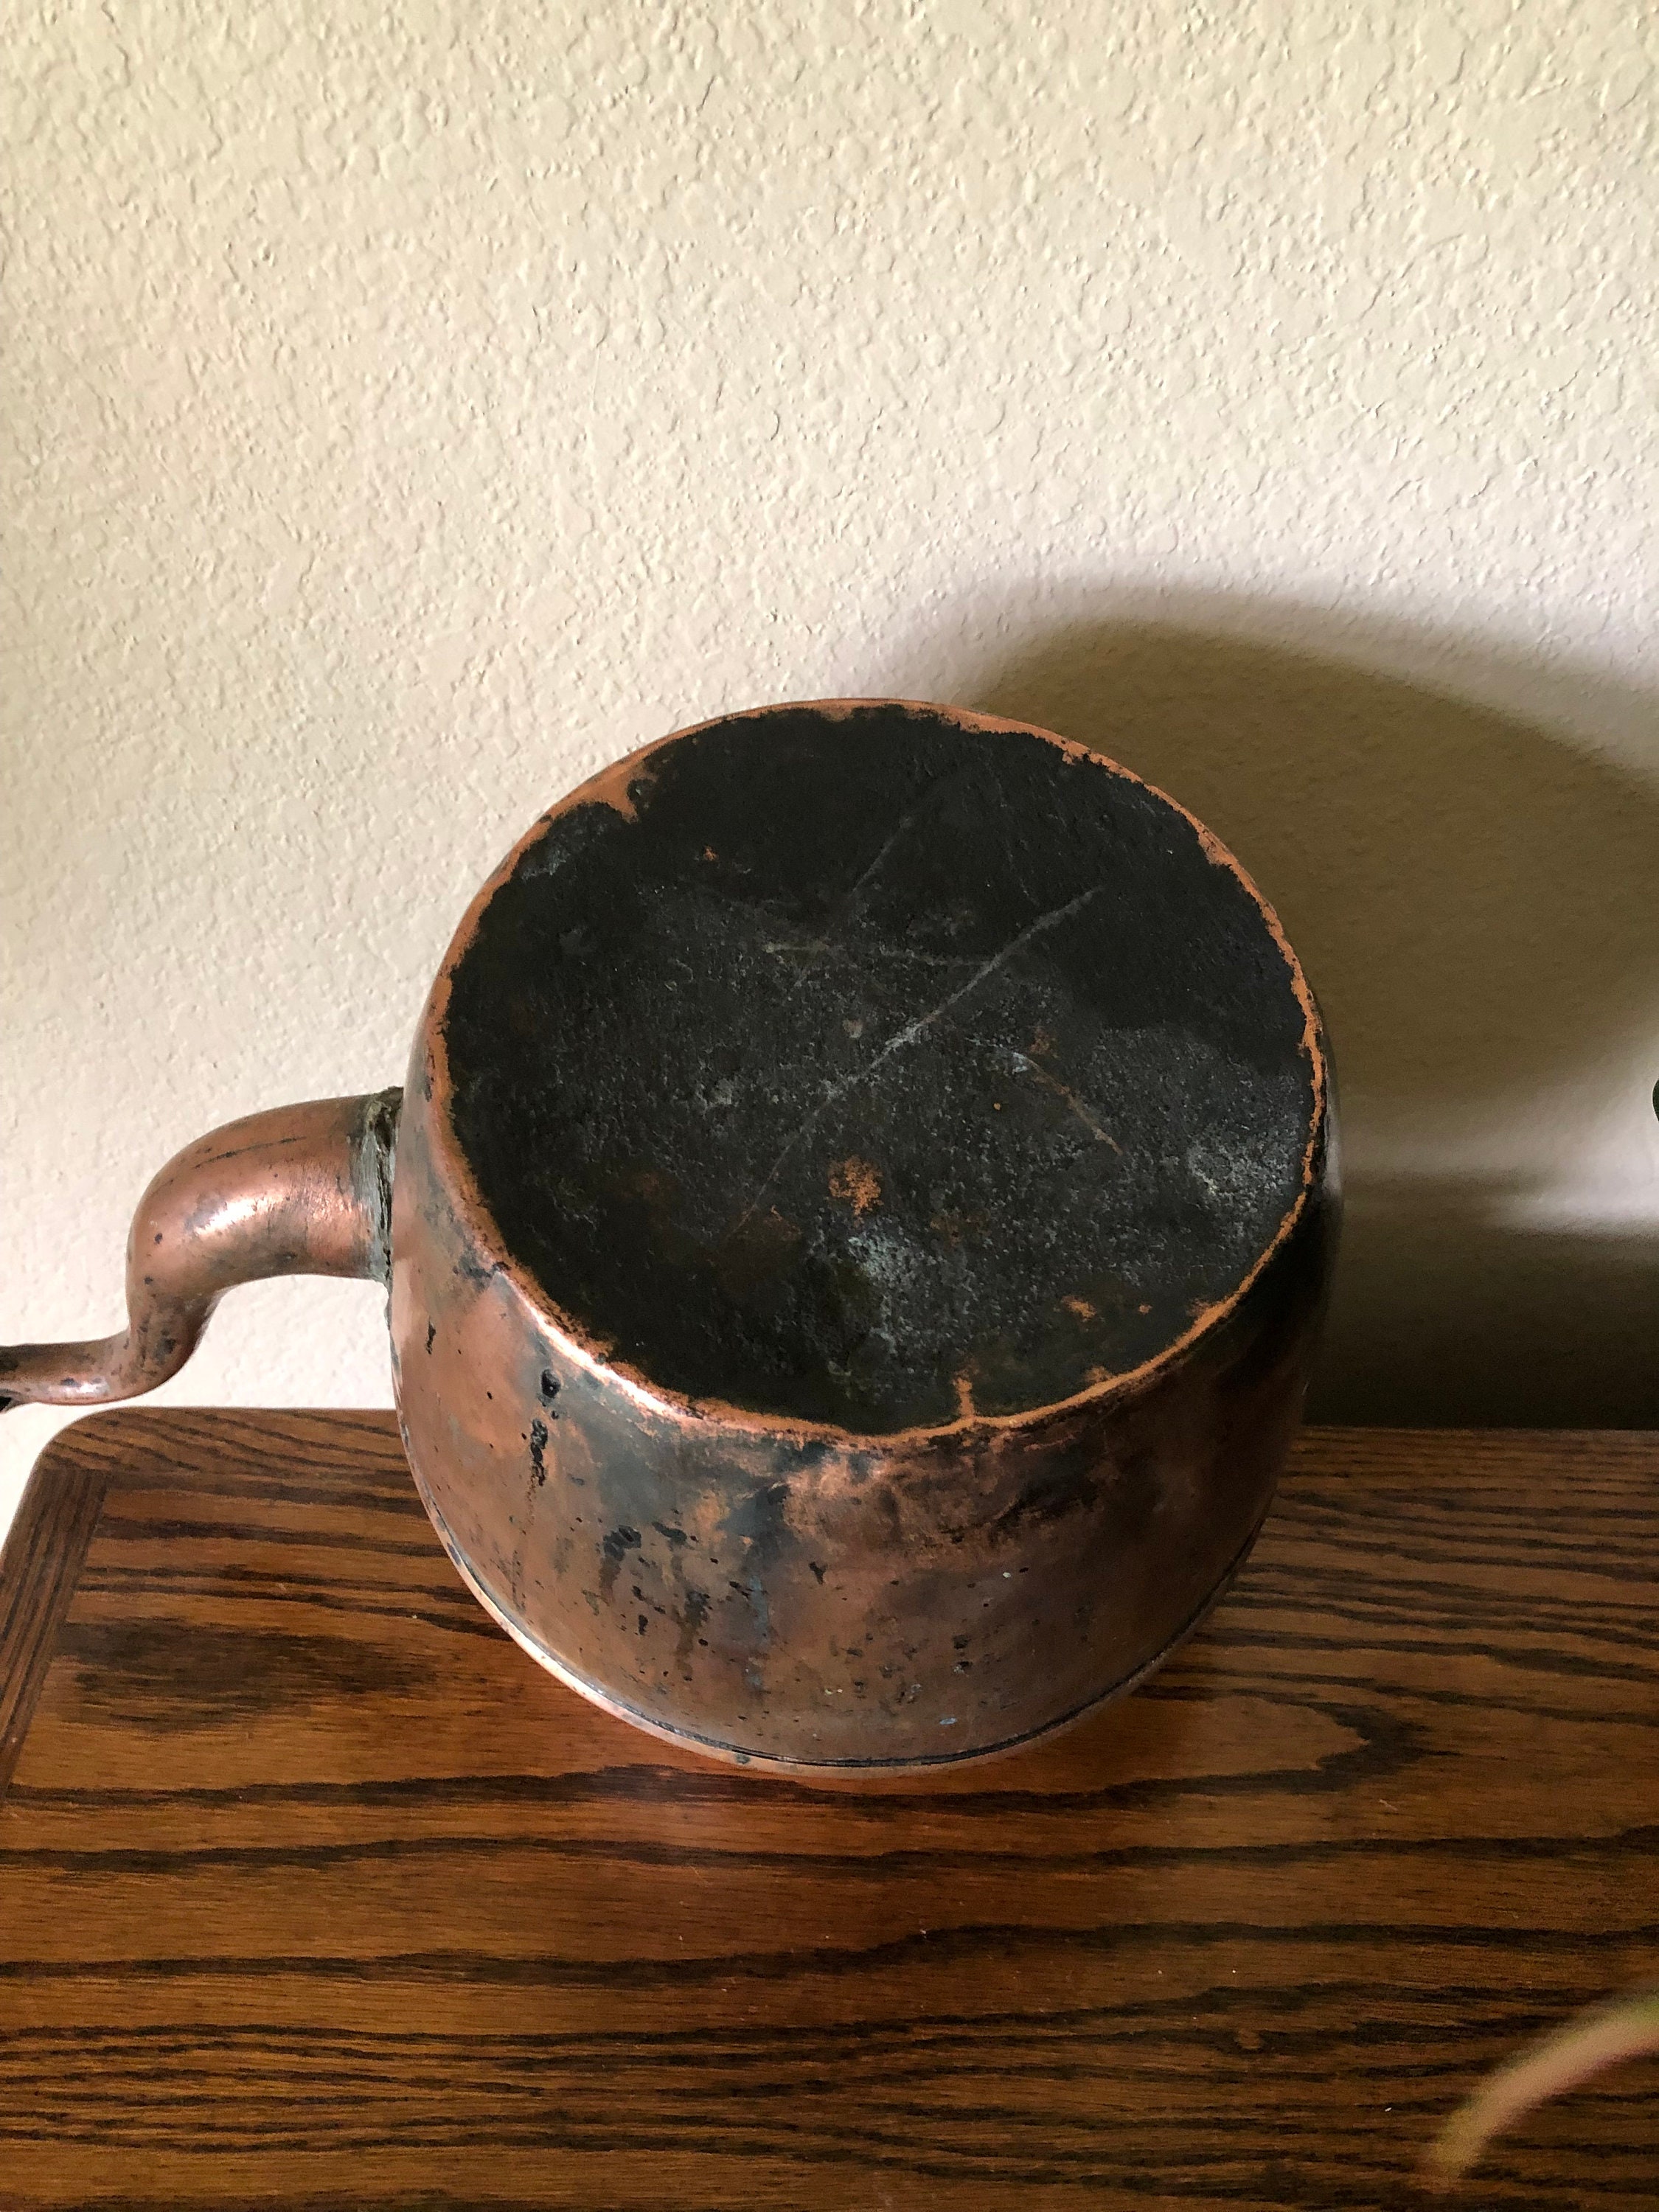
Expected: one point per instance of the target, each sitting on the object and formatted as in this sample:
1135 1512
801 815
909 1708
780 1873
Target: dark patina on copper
860 1220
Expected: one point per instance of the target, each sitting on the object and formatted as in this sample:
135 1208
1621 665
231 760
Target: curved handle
306 1190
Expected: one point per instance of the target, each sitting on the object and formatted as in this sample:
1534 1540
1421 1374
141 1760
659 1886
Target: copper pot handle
304 1190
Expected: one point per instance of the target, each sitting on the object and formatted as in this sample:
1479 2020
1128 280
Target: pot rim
571 1336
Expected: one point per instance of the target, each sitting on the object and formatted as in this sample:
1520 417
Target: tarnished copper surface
767 1587
804 1598
303 1190
783 1591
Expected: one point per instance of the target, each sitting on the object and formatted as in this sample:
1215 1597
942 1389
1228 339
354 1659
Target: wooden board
315 1892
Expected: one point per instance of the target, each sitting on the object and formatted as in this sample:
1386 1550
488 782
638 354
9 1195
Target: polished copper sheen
750 1578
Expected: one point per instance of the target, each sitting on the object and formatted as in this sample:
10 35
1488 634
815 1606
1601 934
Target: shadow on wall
1473 900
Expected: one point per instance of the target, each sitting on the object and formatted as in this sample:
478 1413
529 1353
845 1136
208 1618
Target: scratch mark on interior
912 1032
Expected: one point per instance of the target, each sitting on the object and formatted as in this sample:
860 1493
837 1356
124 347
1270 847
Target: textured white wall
403 418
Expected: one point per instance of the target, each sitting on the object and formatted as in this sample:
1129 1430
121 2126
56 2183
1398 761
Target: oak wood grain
40 1561
314 1892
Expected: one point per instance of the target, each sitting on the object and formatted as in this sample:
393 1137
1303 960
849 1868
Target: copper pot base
819 1769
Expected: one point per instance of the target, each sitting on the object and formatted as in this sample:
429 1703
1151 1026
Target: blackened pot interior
871 1068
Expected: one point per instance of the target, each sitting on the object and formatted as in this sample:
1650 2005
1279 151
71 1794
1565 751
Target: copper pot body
764 1589
806 1599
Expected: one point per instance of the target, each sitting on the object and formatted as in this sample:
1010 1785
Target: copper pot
855 1224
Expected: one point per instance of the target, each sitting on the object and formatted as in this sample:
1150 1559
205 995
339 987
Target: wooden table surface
315 1892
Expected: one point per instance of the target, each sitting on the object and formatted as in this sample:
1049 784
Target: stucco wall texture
405 414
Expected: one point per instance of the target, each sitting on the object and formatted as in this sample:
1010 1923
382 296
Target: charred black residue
911 1056
539 1451
690 1619
1067 1483
550 1390
431 1332
615 1547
